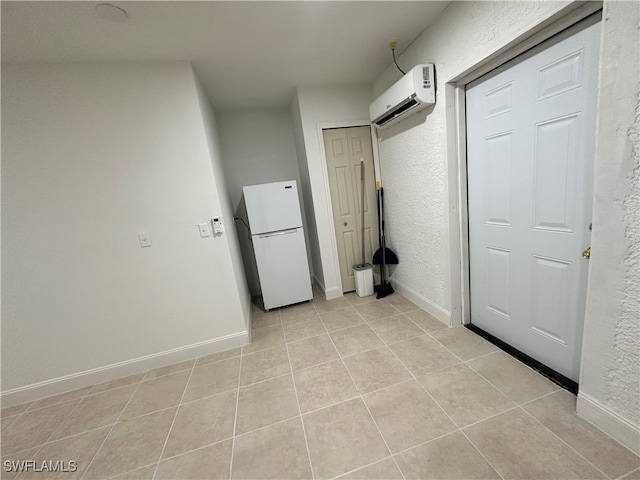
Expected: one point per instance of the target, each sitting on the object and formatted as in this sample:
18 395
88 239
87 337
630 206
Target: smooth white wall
227 210
93 154
610 372
413 153
322 105
257 147
305 189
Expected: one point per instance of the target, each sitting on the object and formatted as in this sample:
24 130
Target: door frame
456 144
325 180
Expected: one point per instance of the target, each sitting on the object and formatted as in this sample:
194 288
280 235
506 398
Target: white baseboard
609 422
331 293
318 284
425 304
248 317
328 293
95 376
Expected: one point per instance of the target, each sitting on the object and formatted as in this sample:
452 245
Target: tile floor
347 388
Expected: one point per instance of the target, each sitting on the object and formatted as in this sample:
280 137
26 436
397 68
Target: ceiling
246 54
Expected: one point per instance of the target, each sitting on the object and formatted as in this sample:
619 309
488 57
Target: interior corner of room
126 238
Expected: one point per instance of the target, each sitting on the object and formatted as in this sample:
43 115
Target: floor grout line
79 402
304 430
362 399
389 457
235 420
382 436
95 429
217 361
267 426
175 415
145 379
32 409
481 454
566 443
130 471
431 440
181 454
413 377
459 429
331 405
90 394
300 415
505 393
635 470
110 430
559 389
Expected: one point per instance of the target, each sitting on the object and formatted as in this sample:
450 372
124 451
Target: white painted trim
455 227
457 141
609 422
106 373
331 292
248 321
327 191
463 213
320 286
427 305
375 144
327 293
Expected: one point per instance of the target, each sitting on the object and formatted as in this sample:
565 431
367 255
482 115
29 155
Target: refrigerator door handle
281 232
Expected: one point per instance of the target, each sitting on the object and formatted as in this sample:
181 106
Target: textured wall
414 181
413 152
610 373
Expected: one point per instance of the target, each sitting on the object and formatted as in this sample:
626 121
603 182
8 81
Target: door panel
498 280
530 131
498 178
343 148
550 298
342 202
556 156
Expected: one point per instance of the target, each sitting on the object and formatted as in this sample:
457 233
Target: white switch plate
204 230
145 239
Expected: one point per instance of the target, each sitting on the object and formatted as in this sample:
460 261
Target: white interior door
530 149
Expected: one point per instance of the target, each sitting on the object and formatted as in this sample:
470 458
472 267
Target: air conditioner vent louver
412 93
412 102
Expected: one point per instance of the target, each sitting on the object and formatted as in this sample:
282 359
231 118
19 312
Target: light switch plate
204 230
145 239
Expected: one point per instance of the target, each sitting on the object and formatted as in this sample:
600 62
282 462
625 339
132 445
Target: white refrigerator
278 243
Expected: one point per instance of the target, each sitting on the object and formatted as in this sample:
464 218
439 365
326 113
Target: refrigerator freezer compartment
272 207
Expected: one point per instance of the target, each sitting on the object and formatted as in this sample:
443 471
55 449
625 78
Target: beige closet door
344 147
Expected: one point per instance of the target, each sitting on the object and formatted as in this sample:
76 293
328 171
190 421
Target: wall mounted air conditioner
415 91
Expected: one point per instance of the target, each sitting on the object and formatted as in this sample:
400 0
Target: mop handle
362 212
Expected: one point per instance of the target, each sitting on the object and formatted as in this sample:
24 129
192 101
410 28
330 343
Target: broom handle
384 240
362 209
